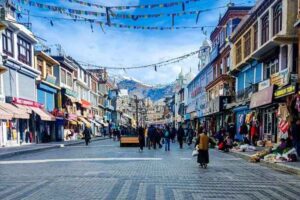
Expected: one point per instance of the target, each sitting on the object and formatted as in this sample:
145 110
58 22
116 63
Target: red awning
261 98
85 104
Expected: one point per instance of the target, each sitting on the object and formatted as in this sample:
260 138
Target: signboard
280 78
291 89
264 84
70 92
262 97
26 102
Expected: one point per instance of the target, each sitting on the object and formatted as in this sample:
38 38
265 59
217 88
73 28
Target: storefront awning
16 112
25 108
5 115
72 99
43 114
95 122
86 122
262 97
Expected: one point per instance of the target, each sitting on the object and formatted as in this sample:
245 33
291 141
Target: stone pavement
291 167
30 148
172 175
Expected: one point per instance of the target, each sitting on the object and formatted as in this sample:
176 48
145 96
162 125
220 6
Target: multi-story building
265 52
18 88
220 90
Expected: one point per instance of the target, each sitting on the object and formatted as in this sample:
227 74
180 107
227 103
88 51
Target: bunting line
146 6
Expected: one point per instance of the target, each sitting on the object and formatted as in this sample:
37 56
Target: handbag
195 153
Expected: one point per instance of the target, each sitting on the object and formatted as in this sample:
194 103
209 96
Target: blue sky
126 48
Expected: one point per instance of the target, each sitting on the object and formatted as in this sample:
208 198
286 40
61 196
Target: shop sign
26 102
85 104
264 84
58 113
262 97
280 78
70 92
291 89
51 79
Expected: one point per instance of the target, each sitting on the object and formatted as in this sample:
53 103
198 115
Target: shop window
265 29
270 68
24 50
247 44
7 42
239 52
277 18
255 36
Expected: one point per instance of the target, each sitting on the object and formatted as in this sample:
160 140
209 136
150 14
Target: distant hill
142 90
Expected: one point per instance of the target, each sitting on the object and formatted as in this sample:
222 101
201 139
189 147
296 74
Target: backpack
167 134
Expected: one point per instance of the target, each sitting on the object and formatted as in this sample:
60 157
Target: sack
195 153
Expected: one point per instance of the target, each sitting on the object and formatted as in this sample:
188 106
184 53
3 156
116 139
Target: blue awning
241 108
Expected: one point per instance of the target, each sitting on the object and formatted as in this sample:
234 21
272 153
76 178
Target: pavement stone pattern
176 176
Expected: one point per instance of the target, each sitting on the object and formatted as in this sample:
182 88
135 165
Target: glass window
7 40
24 50
40 65
239 52
49 69
69 79
271 67
255 32
63 76
277 18
265 29
247 44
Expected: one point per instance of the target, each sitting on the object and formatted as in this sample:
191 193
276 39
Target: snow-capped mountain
136 87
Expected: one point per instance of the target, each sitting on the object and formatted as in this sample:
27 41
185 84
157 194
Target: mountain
142 90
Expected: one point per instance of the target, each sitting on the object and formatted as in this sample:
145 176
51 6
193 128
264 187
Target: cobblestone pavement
172 175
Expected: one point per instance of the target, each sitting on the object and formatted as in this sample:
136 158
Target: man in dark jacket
87 134
151 135
180 136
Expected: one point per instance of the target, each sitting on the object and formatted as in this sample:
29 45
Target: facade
19 103
221 89
265 57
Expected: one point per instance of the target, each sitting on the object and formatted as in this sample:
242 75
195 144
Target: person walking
151 135
190 136
167 138
173 134
87 134
141 133
180 136
202 146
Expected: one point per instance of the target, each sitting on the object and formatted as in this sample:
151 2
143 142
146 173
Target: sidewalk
6 152
289 167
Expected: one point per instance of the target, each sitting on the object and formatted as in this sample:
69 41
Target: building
221 89
265 51
21 113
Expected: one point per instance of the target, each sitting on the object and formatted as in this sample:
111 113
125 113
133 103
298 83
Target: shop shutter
26 87
41 96
10 83
240 85
50 102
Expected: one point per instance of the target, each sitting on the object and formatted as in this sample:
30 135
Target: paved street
105 171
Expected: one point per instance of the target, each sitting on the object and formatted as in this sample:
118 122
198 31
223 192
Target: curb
275 166
21 152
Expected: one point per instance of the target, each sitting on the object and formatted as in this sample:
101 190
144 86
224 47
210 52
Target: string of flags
109 12
155 66
147 6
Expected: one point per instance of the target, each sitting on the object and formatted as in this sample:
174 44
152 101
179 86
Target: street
103 170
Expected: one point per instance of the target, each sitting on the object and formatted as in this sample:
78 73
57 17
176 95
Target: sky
127 47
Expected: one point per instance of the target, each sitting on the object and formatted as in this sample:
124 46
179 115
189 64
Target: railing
244 94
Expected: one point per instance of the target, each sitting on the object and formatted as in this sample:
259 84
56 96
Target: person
295 129
151 135
167 138
180 136
173 134
190 136
202 144
27 136
141 134
87 134
158 136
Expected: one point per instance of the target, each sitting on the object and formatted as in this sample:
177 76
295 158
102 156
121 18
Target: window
40 65
284 57
277 18
69 79
247 44
94 86
221 66
255 32
7 40
49 69
239 52
271 67
63 74
24 50
228 63
265 29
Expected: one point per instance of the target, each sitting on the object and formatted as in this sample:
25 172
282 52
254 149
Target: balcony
245 94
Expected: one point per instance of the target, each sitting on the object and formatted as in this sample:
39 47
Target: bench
129 141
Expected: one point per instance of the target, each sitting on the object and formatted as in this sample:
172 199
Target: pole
137 111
